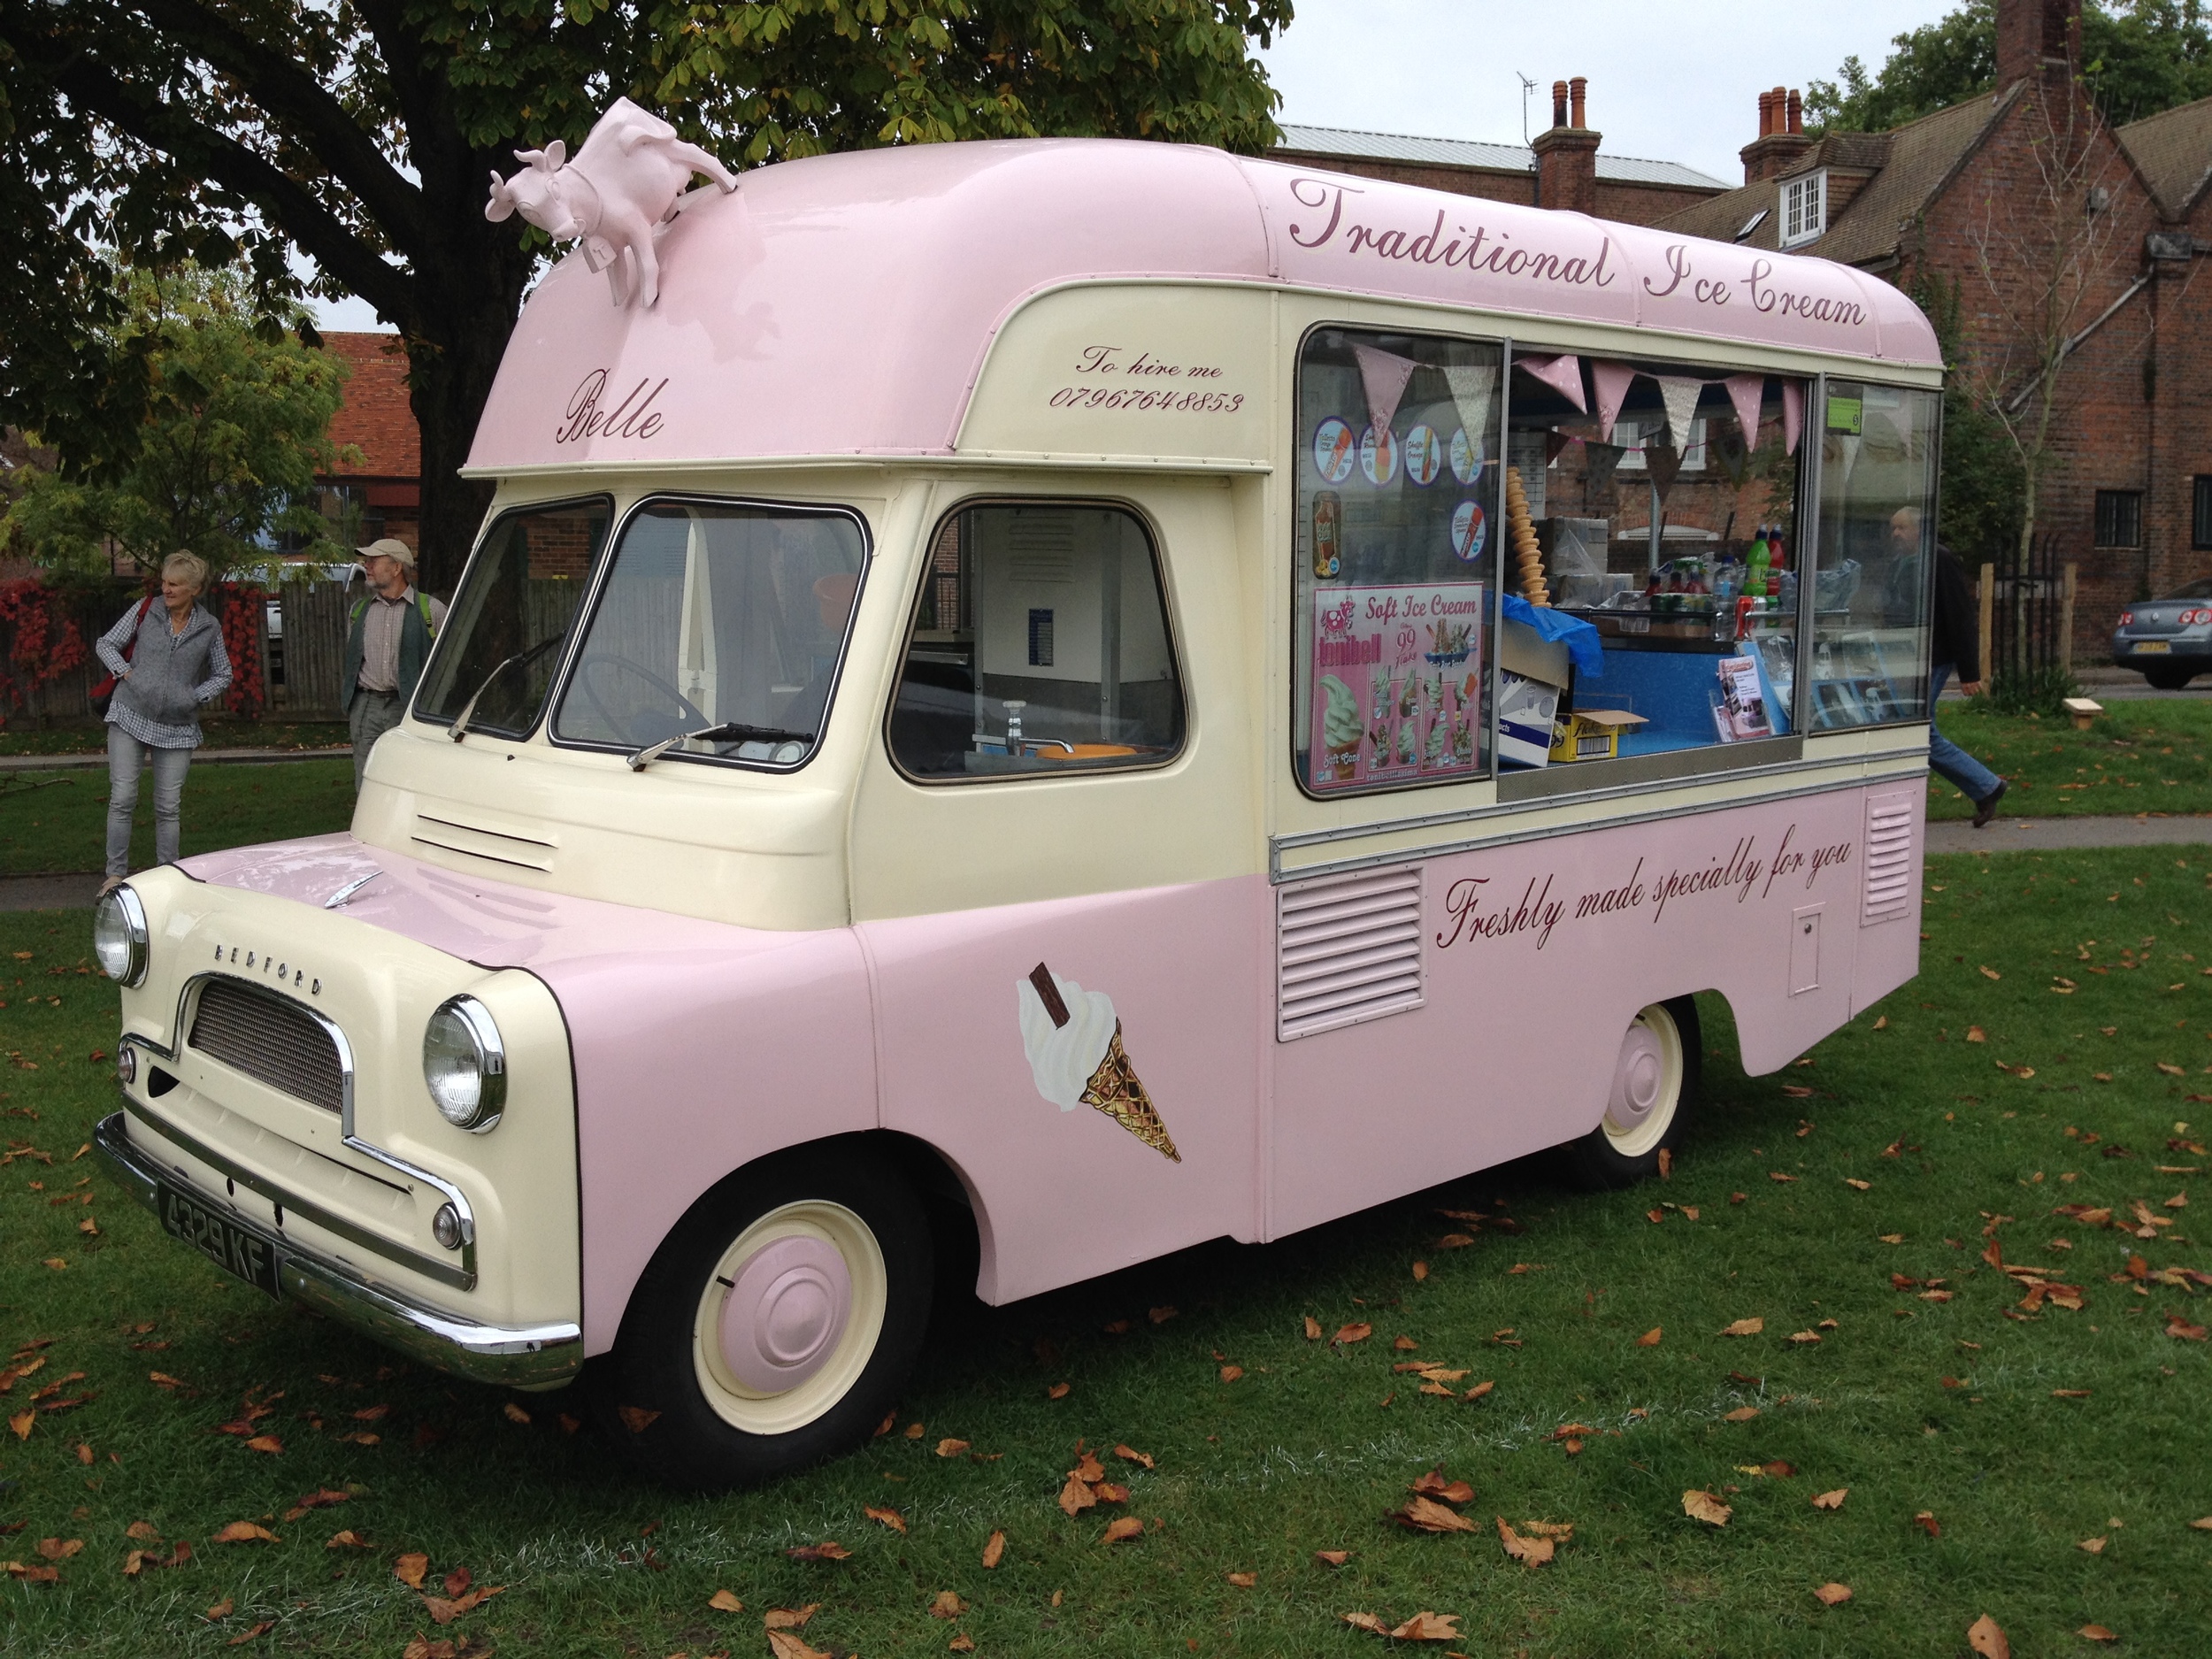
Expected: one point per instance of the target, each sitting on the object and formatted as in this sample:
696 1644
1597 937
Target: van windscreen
718 625
502 640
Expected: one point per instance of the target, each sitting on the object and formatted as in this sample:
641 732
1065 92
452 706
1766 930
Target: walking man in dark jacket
1953 647
388 640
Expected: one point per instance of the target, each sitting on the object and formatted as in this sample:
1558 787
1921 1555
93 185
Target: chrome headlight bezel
461 1037
122 908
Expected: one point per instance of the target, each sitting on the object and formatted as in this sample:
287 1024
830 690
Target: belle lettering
629 418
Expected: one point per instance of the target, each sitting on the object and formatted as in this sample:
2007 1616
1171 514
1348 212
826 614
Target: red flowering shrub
45 641
239 608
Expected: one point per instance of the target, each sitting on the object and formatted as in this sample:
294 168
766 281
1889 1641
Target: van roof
842 305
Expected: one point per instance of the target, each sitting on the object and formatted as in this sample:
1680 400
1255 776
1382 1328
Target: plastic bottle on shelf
1755 578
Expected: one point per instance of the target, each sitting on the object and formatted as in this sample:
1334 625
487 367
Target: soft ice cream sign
1397 682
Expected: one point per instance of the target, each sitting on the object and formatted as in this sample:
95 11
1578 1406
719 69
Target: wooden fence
314 653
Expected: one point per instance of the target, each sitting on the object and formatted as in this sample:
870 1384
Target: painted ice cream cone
1072 1038
1116 1090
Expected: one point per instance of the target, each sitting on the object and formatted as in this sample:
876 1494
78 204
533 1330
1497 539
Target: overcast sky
1672 83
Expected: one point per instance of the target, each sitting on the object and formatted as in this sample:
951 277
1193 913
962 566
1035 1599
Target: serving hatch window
497 654
720 626
1393 609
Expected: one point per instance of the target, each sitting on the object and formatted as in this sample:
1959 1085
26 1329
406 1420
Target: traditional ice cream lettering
1473 249
1766 298
1537 912
1072 1038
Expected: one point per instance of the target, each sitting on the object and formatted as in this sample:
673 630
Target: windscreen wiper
729 732
461 720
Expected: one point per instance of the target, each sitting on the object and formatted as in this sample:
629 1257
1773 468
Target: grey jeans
126 756
371 714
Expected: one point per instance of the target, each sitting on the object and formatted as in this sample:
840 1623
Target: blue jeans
1973 779
126 756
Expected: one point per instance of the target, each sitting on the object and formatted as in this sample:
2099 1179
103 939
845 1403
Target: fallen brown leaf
1425 1515
514 1413
1744 1327
1231 1373
1161 1316
1368 1622
1426 1626
995 1549
143 1532
1433 1485
1832 1594
1332 1557
2097 1632
245 1532
637 1419
1650 1339
1985 1637
408 1570
348 1539
829 1549
1121 1529
250 1631
444 1611
951 1448
1703 1506
321 1499
1832 1500
1058 1391
1359 1330
1313 1329
2091 1546
891 1519
946 1604
1927 1522
1530 1552
789 1617
962 1643
1129 1454
723 1602
1741 1413
784 1645
1478 1390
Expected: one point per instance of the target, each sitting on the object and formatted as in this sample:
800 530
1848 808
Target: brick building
2049 226
385 486
1563 167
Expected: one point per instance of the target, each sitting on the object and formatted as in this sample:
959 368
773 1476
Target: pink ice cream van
1265 688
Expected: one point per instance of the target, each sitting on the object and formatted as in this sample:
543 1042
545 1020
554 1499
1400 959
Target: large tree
359 134
2138 57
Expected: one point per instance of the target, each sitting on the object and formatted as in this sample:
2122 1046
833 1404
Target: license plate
237 1250
2150 647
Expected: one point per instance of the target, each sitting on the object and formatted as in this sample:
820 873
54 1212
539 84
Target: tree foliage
234 425
360 133
2138 57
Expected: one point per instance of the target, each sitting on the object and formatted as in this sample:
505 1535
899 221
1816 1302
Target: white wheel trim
755 1413
1647 1091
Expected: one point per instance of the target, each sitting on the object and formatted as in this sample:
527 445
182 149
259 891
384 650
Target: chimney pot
1797 112
1577 89
1766 113
1559 104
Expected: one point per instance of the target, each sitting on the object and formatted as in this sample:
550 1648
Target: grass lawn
2138 756
57 821
2059 1455
221 734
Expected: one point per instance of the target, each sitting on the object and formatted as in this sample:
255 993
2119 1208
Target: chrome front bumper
527 1356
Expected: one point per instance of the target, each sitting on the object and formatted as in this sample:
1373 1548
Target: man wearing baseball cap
388 640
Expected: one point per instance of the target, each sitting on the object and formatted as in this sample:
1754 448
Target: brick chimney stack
1567 156
1781 139
2038 40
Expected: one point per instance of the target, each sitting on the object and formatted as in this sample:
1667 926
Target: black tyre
1654 1081
2168 679
776 1324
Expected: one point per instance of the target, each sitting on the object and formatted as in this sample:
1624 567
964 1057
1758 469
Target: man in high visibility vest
388 640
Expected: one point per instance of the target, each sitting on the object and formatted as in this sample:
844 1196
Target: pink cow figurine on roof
633 175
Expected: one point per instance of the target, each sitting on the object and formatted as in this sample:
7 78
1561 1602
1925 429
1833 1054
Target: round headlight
464 1064
119 936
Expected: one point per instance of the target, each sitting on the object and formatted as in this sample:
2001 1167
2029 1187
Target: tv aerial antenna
1527 86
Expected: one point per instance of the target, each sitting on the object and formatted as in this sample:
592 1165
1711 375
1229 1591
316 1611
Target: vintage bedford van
1105 694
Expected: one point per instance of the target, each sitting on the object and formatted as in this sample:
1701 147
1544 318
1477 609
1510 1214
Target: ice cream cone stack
1115 1090
1528 558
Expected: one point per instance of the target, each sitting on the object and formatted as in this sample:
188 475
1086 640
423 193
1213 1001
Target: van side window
1040 646
1395 602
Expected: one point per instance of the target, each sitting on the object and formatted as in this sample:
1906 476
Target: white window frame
1804 209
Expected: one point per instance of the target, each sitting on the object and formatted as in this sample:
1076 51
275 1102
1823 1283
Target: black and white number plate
237 1250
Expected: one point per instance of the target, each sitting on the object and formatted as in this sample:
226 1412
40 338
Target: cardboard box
1526 708
1592 733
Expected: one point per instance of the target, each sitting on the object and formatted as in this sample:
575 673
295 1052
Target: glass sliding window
1393 607
1879 450
1652 521
497 654
722 622
1041 646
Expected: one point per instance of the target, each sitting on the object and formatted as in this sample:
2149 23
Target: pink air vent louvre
1346 948
1888 893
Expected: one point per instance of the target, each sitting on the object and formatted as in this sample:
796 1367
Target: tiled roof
1465 152
2174 152
1912 162
376 417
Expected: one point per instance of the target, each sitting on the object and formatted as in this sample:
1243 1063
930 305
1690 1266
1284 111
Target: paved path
200 757
2042 834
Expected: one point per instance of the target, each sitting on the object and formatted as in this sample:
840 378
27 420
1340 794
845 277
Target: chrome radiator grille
271 1039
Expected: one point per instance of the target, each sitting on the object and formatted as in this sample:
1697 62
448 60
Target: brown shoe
109 886
1986 808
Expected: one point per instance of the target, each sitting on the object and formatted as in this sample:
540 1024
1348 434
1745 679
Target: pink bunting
1747 392
1612 380
1383 374
1562 375
1793 414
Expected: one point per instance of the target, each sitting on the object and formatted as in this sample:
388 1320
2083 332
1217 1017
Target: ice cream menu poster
1397 682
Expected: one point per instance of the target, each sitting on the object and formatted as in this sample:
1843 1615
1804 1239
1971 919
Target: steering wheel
641 727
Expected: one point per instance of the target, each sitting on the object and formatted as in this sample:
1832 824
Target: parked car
2169 640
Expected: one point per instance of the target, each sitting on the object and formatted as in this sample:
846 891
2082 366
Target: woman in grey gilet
176 667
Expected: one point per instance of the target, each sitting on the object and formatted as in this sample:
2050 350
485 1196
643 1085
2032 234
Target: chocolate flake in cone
1115 1090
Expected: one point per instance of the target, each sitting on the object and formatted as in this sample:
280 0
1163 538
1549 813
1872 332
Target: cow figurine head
632 175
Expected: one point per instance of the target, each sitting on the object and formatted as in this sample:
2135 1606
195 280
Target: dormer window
1804 208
